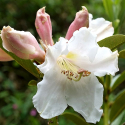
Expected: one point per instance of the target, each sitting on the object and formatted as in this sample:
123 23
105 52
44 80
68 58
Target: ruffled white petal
53 52
103 62
82 41
86 96
50 99
61 46
101 28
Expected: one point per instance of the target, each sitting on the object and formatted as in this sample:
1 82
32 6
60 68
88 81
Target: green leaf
118 81
118 106
32 83
123 119
75 118
109 8
26 64
112 42
101 79
121 15
122 54
118 120
114 79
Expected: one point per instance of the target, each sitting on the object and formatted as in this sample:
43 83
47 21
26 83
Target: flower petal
82 41
90 17
4 56
86 97
50 99
53 52
101 28
103 62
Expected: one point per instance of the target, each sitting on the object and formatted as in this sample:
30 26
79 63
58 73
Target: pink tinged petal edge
86 97
50 99
43 26
4 56
81 20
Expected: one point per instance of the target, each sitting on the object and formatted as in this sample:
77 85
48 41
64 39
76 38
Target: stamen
70 70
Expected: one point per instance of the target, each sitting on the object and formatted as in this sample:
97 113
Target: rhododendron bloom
70 71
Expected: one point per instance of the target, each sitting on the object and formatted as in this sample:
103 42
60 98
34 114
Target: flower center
72 71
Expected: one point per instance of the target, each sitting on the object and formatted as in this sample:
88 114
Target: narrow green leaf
118 106
122 54
118 81
109 8
121 15
26 64
112 42
114 79
75 118
32 83
101 80
118 120
123 119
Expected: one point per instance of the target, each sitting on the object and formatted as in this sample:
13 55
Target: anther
72 71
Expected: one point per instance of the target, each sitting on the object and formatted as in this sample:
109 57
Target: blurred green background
16 106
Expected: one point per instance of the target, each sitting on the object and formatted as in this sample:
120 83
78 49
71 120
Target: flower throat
69 69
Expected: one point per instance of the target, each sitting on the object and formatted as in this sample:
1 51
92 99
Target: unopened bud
81 20
23 44
4 56
43 26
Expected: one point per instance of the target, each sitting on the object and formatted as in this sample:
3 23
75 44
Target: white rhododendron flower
101 27
70 71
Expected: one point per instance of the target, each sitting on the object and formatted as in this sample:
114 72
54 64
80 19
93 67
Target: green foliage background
20 15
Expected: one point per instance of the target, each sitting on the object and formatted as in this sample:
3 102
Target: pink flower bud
4 56
43 26
81 20
23 44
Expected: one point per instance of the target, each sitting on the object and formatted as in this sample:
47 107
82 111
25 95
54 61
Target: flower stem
53 121
106 113
106 99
